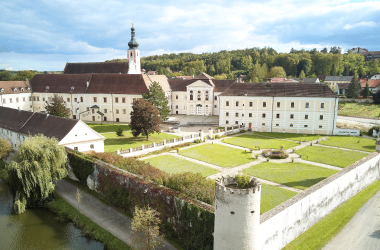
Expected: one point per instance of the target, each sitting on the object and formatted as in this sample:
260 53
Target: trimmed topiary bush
275 154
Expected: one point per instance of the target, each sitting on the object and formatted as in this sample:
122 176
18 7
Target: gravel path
105 216
363 230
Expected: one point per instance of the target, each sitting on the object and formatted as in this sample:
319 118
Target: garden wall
286 222
355 100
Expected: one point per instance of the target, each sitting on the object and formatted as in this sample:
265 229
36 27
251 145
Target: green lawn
219 155
368 110
324 231
297 175
114 142
357 143
289 136
103 128
252 141
272 196
330 156
174 165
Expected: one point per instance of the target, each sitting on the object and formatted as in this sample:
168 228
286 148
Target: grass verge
297 175
368 110
272 196
66 212
219 155
330 156
103 128
290 136
324 231
253 141
174 165
351 142
126 141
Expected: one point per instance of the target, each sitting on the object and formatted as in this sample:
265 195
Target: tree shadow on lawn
304 184
373 148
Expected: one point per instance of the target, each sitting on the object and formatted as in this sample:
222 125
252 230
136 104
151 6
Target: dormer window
15 89
28 89
72 88
22 89
2 90
47 87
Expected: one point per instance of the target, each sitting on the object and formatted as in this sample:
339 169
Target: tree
156 96
366 91
145 227
302 74
57 107
374 67
39 163
145 118
353 88
6 76
376 97
5 148
23 75
246 63
276 72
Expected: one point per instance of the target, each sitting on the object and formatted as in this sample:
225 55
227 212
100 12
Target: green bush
244 181
217 136
5 148
370 131
82 165
197 141
119 131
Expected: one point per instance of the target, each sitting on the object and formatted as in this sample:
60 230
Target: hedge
82 165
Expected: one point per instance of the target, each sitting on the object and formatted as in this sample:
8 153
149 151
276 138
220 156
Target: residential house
333 81
15 94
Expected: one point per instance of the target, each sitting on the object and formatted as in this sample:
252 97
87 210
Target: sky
44 35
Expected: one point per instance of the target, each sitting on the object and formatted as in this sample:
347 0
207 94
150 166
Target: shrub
217 136
256 156
275 154
204 138
82 165
5 148
177 149
197 141
119 131
244 181
370 131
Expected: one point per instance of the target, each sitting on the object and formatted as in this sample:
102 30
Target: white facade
16 100
237 216
133 56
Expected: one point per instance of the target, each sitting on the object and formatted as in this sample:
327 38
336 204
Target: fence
203 123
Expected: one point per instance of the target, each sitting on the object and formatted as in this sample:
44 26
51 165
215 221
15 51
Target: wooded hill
257 64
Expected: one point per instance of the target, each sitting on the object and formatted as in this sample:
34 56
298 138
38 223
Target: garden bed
275 154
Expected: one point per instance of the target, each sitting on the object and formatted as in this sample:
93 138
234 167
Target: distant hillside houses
105 91
17 125
368 55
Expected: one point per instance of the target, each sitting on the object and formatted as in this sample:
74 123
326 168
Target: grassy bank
324 231
103 128
367 110
66 212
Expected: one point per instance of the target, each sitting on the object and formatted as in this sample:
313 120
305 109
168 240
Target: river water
37 229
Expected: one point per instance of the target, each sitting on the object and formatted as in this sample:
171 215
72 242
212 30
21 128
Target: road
363 230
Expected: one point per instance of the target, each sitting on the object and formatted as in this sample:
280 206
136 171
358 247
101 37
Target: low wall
355 100
286 222
346 131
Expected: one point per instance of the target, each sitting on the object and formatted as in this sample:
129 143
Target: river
38 229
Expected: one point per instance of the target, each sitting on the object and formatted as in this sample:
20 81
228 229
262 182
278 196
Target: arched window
191 95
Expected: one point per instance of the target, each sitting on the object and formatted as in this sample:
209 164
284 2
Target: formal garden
256 141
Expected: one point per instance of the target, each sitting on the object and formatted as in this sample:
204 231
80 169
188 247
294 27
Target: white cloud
10 68
361 24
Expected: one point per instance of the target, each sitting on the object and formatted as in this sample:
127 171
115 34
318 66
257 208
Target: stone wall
287 221
355 100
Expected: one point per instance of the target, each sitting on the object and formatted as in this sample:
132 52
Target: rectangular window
176 106
322 105
320 126
277 125
237 114
23 99
116 99
251 104
306 117
81 99
321 117
38 98
277 115
105 111
88 109
95 99
307 105
278 104
16 99
117 111
215 106
123 100
237 104
292 104
30 98
227 103
92 146
75 99
124 111
250 114
10 100
263 116
104 99
291 116
227 114
264 104
4 101
236 122
227 122
68 99
76 148
305 126
291 124
93 111
215 98
263 124
176 97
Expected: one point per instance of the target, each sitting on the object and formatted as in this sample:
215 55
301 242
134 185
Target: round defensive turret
237 215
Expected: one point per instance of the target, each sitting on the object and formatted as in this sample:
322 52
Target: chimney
192 76
88 83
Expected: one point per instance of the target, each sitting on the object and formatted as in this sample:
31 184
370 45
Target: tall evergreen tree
366 91
353 88
145 118
302 74
57 107
156 96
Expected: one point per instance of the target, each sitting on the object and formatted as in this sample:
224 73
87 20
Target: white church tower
237 215
133 54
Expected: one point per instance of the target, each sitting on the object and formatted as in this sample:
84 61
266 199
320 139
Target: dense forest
258 64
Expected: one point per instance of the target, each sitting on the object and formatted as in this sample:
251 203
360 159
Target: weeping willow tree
39 162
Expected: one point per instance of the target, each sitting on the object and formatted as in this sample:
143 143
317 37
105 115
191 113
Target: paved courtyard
184 119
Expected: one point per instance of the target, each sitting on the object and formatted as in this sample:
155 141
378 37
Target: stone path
105 216
363 231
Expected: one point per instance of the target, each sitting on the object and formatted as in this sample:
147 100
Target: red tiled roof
117 84
371 83
279 89
9 86
60 83
96 67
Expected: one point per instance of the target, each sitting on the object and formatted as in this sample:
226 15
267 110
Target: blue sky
44 35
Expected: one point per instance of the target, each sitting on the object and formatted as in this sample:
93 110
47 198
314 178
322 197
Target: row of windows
277 115
277 125
105 111
11 100
123 99
278 104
